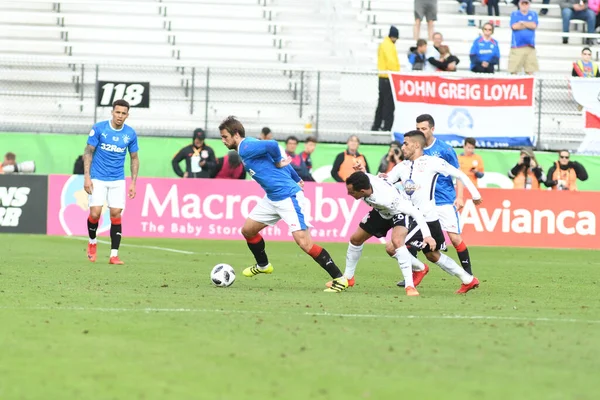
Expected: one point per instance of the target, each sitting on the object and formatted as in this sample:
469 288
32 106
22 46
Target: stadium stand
257 59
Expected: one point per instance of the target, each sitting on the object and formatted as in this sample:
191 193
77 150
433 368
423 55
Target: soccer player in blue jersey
284 200
447 202
104 175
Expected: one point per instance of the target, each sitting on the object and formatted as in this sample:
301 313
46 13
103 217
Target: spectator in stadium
291 143
309 147
230 167
585 67
433 55
527 174
563 174
425 9
417 55
467 6
577 9
200 160
344 163
485 52
544 11
494 10
447 61
470 163
266 134
394 156
387 60
523 23
78 166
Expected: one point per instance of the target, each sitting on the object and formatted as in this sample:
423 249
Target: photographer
563 174
10 165
393 157
527 174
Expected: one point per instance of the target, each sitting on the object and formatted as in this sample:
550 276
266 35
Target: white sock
352 256
93 241
416 264
114 253
451 267
403 256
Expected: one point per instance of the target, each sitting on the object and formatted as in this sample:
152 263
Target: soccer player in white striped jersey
418 174
390 211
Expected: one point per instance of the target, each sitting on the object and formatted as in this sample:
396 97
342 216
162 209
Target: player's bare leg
461 250
451 267
115 236
256 244
92 224
322 257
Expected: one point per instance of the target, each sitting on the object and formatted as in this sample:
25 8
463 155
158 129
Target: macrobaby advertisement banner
498 112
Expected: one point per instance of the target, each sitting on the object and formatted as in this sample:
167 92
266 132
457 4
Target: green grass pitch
157 329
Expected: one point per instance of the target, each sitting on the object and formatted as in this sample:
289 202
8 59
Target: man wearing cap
523 23
387 60
200 160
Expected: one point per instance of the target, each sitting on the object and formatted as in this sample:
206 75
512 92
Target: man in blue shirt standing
284 199
523 23
104 175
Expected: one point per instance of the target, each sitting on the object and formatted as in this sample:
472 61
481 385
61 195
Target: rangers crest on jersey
126 139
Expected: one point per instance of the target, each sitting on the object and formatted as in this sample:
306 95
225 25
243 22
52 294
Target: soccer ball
222 275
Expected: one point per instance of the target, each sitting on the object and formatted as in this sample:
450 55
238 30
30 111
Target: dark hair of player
233 126
426 118
311 139
470 141
359 181
418 136
292 138
122 103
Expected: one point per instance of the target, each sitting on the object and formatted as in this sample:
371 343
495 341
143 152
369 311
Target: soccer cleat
419 275
464 288
338 285
115 261
91 252
350 283
411 291
255 270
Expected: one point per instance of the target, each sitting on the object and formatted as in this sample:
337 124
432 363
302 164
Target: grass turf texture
156 328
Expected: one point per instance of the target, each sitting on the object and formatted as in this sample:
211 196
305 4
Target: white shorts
448 218
290 210
111 193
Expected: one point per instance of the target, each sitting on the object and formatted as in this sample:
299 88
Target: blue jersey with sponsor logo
108 163
444 188
259 158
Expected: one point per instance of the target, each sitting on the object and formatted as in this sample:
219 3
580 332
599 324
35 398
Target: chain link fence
60 96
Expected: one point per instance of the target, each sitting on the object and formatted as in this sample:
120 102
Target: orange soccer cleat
115 260
419 275
464 288
411 291
91 252
350 283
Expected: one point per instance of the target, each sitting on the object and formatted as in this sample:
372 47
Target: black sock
92 228
115 233
257 247
321 256
463 256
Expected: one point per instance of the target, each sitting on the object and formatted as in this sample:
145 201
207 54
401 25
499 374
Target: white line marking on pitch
155 247
308 314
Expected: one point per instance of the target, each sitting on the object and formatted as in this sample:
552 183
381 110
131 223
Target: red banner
532 218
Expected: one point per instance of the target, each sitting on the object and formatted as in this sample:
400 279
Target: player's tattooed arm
88 154
135 166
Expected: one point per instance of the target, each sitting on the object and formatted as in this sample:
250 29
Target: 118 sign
137 94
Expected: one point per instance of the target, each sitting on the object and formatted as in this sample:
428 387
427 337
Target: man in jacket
200 160
564 173
577 9
387 60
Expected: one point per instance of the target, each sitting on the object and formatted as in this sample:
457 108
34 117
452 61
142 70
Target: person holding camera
393 157
10 165
527 174
564 173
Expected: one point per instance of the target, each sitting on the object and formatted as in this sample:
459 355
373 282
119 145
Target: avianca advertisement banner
498 112
586 93
216 209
